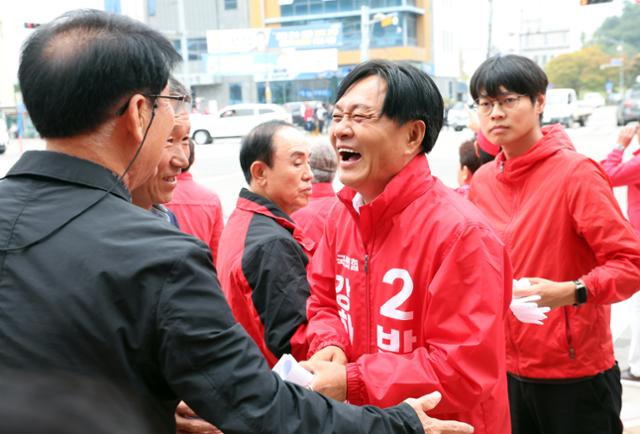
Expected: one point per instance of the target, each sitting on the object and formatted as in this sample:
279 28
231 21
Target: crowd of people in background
119 275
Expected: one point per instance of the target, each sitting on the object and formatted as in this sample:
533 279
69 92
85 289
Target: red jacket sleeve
463 354
621 173
324 325
216 232
598 219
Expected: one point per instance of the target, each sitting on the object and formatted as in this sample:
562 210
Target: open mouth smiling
348 154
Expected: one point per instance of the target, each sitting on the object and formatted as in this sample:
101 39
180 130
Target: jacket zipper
366 279
572 351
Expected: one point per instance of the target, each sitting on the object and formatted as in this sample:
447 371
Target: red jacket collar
405 187
554 139
255 203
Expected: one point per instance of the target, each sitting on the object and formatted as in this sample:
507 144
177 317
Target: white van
562 107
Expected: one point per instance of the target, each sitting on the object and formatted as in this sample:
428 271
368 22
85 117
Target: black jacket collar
63 167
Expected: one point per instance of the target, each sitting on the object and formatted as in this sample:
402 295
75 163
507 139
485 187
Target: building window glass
235 93
411 25
151 7
197 47
230 4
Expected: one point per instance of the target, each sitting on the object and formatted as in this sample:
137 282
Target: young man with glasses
409 284
555 211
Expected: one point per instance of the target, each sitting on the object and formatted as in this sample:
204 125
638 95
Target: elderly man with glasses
158 190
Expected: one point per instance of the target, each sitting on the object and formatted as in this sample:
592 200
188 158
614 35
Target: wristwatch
581 293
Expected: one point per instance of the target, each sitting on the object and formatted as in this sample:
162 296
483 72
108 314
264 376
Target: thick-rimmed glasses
179 103
484 106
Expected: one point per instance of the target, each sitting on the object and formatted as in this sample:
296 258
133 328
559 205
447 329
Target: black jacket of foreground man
93 285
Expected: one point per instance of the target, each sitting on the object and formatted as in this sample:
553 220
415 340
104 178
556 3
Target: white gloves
525 308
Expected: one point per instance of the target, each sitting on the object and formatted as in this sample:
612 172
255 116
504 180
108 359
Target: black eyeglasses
179 103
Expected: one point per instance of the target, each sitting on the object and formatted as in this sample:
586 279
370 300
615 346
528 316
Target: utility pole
490 28
182 28
621 51
364 33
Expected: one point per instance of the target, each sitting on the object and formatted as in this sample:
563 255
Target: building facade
388 29
186 23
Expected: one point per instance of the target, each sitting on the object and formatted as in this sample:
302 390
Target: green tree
620 31
580 70
619 37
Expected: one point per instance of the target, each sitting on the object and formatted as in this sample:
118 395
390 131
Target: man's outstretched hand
435 426
188 422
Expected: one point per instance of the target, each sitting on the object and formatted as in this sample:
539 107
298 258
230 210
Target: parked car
593 100
562 107
458 116
4 134
234 121
629 107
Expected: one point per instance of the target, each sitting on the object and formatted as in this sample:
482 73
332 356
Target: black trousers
583 407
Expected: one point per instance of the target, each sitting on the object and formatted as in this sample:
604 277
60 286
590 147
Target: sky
566 13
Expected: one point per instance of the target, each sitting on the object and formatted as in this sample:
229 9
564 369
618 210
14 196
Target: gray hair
323 161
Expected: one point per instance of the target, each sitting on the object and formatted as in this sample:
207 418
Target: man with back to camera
263 257
554 209
92 285
409 285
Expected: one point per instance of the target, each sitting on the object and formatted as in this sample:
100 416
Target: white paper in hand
525 308
290 370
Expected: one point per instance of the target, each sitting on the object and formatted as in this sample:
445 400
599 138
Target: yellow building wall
261 9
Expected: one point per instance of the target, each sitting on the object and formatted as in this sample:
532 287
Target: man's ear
258 171
416 130
137 116
540 102
466 174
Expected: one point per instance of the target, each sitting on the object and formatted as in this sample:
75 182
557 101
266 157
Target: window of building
230 4
235 93
112 6
197 47
411 26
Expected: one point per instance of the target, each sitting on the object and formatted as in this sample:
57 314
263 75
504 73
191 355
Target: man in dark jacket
264 255
92 285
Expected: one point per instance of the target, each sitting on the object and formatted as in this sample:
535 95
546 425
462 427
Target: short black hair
411 95
473 156
75 69
468 156
515 73
257 145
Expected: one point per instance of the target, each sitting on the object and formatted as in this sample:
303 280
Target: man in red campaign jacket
324 162
263 255
556 213
197 208
410 285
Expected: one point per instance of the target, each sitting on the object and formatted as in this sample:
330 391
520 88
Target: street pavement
217 166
